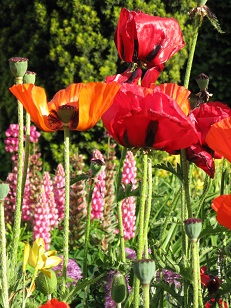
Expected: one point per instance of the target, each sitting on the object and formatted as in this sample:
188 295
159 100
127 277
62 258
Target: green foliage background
72 41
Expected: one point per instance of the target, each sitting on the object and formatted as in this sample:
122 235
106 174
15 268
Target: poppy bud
193 228
119 289
201 2
4 189
144 270
202 81
18 66
29 77
96 167
45 284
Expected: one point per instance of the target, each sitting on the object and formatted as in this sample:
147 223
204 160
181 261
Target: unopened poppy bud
18 66
201 2
96 167
193 228
202 81
45 284
119 290
29 77
144 270
4 189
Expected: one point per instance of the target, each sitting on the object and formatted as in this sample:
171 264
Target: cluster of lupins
138 114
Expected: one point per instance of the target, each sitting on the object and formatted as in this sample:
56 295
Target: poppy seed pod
45 284
18 66
119 290
144 270
193 228
29 77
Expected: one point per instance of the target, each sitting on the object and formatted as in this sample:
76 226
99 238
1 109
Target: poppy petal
219 138
95 98
34 101
222 206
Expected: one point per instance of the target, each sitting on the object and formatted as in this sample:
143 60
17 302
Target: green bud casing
4 189
45 284
119 290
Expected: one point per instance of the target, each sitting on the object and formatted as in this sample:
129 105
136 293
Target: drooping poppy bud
119 290
45 284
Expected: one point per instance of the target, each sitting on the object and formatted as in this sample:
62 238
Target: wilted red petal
219 138
222 206
201 157
128 76
151 75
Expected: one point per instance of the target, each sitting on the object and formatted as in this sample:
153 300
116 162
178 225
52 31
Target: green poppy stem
119 205
19 193
140 227
3 261
67 201
27 152
196 275
148 207
146 296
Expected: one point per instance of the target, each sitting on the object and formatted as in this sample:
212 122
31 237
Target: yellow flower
37 257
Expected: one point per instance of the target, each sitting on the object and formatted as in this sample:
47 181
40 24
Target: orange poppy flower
219 138
222 206
179 93
79 106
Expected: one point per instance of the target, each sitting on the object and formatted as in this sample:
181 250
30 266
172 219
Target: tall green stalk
148 207
140 227
67 200
19 193
119 206
3 259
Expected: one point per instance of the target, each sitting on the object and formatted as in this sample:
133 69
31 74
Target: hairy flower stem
184 164
19 193
146 297
119 205
140 227
27 152
196 274
148 207
67 201
3 263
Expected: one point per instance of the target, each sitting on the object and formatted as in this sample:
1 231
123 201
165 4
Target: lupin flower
59 192
79 106
11 140
129 204
99 189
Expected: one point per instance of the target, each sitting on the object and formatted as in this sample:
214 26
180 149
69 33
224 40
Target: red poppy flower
79 106
219 138
54 303
222 206
213 303
203 117
129 76
146 39
211 282
142 117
